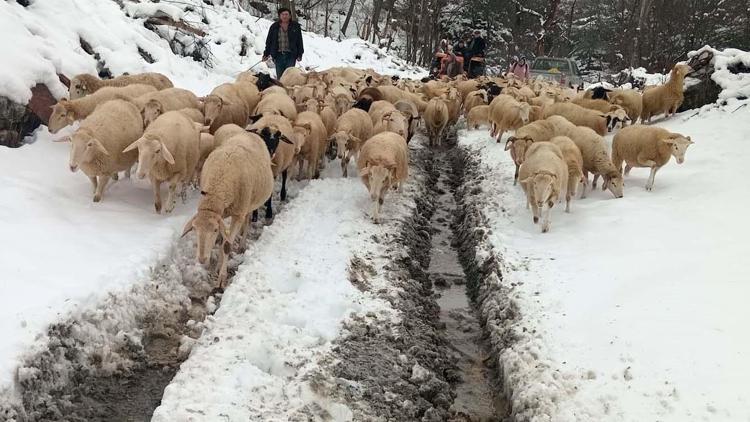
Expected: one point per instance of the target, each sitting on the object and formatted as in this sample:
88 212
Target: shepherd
284 42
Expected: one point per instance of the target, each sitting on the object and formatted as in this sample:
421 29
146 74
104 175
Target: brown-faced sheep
436 118
667 98
543 175
506 113
352 129
85 84
382 163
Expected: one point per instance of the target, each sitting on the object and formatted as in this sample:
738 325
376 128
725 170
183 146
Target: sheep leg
515 175
596 179
650 182
94 184
376 210
103 180
234 228
345 164
269 209
546 211
628 167
571 192
585 182
301 164
171 200
283 185
156 185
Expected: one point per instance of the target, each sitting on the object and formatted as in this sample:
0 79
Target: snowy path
631 309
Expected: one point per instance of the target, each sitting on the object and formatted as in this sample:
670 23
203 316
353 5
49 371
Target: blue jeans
282 62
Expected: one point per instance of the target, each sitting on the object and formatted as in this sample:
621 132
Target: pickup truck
560 69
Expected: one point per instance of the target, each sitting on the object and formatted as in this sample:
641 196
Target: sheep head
62 115
379 178
344 142
613 181
208 225
151 111
78 88
313 105
542 185
151 151
212 106
518 147
342 103
678 145
616 116
85 148
524 109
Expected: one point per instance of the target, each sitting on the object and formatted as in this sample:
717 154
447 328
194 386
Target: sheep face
616 118
379 180
343 142
542 186
78 89
208 226
61 116
84 149
150 153
212 106
679 145
614 184
342 104
312 105
524 109
151 111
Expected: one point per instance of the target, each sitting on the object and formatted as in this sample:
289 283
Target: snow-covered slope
46 41
631 309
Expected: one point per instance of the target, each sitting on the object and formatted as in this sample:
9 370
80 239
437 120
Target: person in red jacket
284 42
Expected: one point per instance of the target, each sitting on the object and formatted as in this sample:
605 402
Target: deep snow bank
46 40
629 309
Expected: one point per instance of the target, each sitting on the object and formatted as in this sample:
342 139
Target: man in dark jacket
476 49
284 42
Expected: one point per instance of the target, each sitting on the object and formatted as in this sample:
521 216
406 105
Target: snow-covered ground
64 253
631 309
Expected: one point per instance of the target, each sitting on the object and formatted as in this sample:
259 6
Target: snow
69 253
632 309
284 307
46 42
64 251
734 85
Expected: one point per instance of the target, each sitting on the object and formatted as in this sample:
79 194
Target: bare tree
348 17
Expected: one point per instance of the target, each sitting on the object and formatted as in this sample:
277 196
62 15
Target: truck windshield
548 64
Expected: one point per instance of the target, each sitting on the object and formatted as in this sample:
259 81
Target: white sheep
85 84
283 153
665 99
478 115
436 117
382 163
280 104
579 116
630 100
352 129
310 126
646 146
224 105
153 104
543 175
236 180
65 112
168 151
98 143
505 113
574 162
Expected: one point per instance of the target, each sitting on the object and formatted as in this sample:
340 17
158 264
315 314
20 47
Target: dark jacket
295 40
476 48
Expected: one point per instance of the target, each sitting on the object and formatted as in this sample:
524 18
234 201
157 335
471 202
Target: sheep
478 115
274 89
543 174
473 99
382 163
574 161
236 180
168 151
264 81
276 104
393 121
65 112
293 76
311 127
436 118
378 109
454 105
665 99
98 143
367 97
393 94
328 115
597 93
507 113
193 114
602 106
224 105
595 160
352 128
433 89
616 117
645 146
283 157
153 104
85 84
249 93
467 87
536 113
579 116
302 93
630 100
539 131
410 111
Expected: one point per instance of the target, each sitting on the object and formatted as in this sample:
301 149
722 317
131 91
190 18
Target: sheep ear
364 172
255 118
509 142
132 146
669 141
96 142
166 154
222 227
188 227
63 139
605 183
690 141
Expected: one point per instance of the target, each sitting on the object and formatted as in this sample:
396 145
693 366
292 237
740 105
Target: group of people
462 58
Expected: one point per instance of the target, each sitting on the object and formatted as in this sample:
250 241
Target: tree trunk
547 26
376 7
642 15
327 7
348 17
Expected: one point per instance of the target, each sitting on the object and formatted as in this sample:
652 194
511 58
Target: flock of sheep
244 135
558 137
